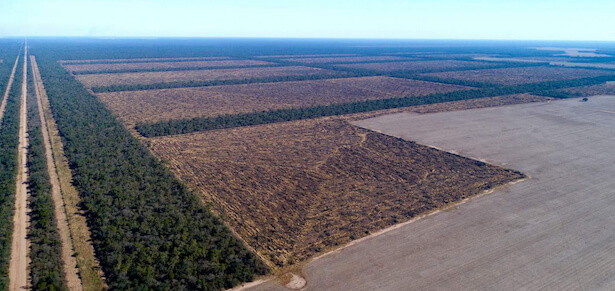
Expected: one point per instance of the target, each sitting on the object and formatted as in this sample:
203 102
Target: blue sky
422 19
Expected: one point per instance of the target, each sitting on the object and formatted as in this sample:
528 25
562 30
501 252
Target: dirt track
8 89
70 263
18 268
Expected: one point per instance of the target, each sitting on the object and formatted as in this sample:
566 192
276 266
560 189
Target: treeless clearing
99 80
418 65
345 59
306 56
18 268
523 75
163 65
584 91
478 103
66 199
295 189
158 105
143 60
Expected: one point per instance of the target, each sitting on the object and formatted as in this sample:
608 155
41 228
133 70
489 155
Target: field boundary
66 200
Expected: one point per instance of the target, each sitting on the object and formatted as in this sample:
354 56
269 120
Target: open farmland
294 189
304 56
478 103
523 75
77 68
346 59
100 80
584 91
181 103
420 66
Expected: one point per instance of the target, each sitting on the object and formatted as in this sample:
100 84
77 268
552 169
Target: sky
402 19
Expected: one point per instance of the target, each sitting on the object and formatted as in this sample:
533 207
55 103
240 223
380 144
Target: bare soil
418 65
162 65
345 59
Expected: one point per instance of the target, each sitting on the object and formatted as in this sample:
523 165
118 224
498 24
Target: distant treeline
169 69
46 265
170 85
172 127
149 231
9 141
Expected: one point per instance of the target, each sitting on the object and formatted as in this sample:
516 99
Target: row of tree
46 265
9 141
149 231
172 127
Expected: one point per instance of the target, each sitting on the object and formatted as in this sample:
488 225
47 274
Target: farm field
305 56
181 103
97 80
76 68
323 60
293 190
524 75
418 65
478 103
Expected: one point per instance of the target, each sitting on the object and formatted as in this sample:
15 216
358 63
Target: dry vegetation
140 60
164 104
478 103
523 75
96 80
295 189
163 65
346 59
305 56
602 89
418 65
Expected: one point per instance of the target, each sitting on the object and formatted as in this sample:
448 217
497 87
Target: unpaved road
70 263
555 231
8 89
18 268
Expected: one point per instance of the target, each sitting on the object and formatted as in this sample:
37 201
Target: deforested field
162 65
478 103
418 65
99 80
313 60
293 190
601 89
523 75
304 56
140 60
181 103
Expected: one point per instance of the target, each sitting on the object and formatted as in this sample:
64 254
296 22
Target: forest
149 231
46 265
9 139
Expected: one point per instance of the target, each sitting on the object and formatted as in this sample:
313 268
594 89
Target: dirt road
70 263
18 268
8 88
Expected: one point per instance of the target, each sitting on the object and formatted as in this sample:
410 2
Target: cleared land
602 89
141 60
523 75
478 103
305 56
552 232
292 190
163 65
418 65
346 59
96 80
158 105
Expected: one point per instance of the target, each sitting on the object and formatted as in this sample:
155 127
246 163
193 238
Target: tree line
9 141
150 232
181 126
46 264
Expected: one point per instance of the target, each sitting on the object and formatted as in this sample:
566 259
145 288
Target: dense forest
149 231
46 265
9 140
228 121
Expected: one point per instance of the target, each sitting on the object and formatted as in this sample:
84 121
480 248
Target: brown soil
157 105
141 60
514 76
163 65
345 59
602 89
418 65
295 189
94 80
